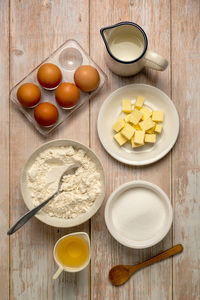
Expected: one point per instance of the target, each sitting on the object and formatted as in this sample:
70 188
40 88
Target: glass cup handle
155 61
58 272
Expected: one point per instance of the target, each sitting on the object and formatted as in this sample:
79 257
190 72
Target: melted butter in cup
72 253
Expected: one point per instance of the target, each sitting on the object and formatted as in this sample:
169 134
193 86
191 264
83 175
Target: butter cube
126 106
135 117
126 118
121 140
150 138
128 131
150 131
137 127
146 113
139 102
118 125
158 128
139 137
134 145
157 116
147 124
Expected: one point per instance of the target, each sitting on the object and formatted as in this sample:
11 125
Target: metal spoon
32 212
118 275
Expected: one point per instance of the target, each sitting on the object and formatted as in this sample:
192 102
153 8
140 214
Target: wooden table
30 31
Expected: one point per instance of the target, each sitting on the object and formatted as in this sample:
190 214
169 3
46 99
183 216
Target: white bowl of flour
81 193
138 214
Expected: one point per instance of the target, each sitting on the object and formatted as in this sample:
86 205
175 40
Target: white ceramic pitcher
62 267
126 50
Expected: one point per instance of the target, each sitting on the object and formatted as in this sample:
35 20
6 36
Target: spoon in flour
70 169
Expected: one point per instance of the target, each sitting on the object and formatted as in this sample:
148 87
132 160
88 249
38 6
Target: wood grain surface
186 156
38 28
4 149
143 284
30 31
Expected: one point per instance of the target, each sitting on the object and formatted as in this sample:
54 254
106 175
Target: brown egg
28 94
67 94
46 114
49 76
87 78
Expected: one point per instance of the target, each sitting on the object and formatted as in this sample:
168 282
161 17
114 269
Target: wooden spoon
120 274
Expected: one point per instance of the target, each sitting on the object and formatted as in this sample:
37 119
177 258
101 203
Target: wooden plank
154 282
4 149
186 170
38 28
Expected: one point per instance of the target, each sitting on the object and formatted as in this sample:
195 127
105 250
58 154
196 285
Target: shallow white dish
138 214
154 99
44 217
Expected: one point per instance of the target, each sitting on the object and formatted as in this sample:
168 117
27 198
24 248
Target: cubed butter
137 127
139 102
134 145
126 118
158 128
146 113
118 125
126 106
147 124
150 131
121 140
139 137
128 131
135 117
157 116
150 138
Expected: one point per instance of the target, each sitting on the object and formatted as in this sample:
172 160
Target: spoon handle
168 253
28 215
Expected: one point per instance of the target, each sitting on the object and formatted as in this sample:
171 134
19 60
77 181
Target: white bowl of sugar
138 214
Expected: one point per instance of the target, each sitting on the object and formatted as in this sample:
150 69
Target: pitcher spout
105 33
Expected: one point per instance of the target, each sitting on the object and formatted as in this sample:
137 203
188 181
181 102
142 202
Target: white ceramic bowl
44 217
154 99
138 214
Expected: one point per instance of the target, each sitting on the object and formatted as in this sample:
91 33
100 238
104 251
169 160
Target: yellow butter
150 138
157 116
134 145
126 118
150 131
139 102
146 113
147 124
137 127
126 106
139 137
118 125
128 131
158 128
120 139
135 117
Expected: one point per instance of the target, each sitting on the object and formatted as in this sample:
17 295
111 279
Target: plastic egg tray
68 57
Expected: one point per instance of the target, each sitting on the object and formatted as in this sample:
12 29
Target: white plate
138 214
156 100
44 217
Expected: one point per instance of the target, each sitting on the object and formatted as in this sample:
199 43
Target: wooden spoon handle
168 253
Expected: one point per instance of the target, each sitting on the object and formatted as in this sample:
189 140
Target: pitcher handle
58 272
155 61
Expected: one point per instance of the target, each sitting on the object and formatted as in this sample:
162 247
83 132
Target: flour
78 191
